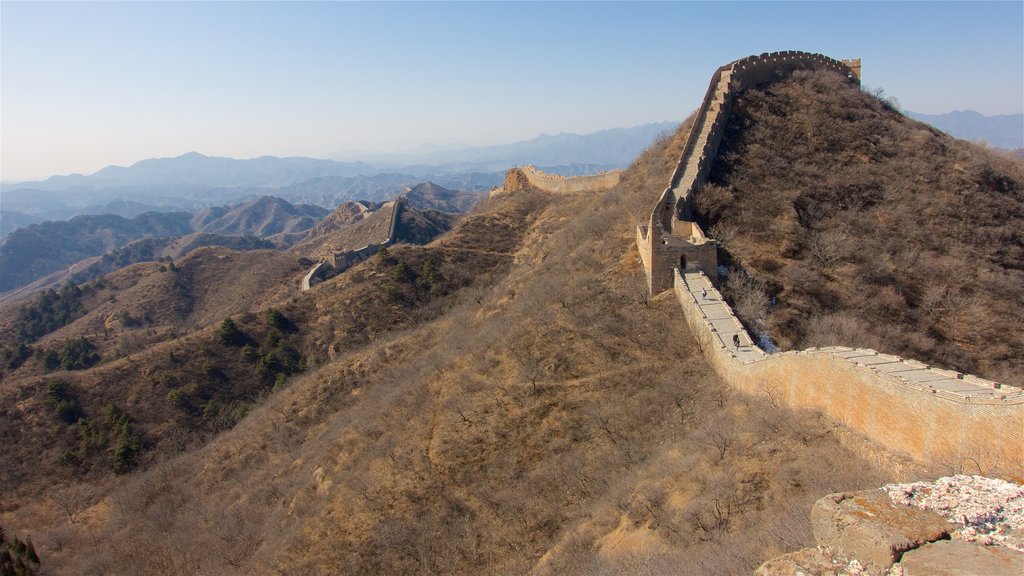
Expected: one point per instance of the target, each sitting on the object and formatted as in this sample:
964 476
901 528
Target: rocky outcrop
869 527
958 558
515 181
962 525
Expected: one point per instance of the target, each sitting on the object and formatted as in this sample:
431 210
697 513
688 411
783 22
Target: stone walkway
964 387
719 314
927 378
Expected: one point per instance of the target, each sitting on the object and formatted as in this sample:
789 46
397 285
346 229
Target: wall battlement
341 261
699 151
937 417
521 176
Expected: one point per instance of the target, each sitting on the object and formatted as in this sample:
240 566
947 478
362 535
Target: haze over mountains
612 148
49 253
194 181
1004 131
32 252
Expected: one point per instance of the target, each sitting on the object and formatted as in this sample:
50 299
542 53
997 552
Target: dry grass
872 229
532 410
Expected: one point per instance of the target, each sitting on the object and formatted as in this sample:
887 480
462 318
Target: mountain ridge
1005 131
40 249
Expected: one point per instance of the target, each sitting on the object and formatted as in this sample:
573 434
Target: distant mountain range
195 168
612 148
45 254
1005 131
193 182
34 251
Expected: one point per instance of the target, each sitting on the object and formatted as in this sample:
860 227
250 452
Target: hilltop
356 224
435 197
861 227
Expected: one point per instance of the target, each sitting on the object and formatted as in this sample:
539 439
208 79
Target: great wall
520 177
338 262
940 418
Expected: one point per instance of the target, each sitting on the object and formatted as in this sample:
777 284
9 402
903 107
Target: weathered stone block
959 558
869 527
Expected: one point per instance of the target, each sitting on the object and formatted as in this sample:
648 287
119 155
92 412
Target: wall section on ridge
937 417
519 177
976 426
342 261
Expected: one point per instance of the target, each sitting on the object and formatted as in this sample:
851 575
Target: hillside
33 252
428 195
354 225
144 250
1004 131
488 403
861 227
264 216
508 398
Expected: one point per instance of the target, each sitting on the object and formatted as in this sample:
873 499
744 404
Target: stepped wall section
342 261
938 417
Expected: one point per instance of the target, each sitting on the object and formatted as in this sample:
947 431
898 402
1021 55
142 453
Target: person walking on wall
736 341
703 293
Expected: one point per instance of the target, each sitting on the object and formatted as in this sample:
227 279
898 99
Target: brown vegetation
504 399
861 227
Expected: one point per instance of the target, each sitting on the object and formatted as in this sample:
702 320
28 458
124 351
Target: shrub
78 354
229 334
49 359
60 396
14 356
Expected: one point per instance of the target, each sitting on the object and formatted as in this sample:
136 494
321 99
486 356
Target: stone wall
937 417
518 178
675 207
702 141
342 261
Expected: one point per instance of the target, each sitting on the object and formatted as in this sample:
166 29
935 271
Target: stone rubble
953 526
985 510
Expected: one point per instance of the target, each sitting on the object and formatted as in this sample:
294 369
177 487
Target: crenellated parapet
522 177
341 261
939 417
672 216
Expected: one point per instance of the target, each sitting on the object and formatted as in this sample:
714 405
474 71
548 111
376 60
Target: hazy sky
85 85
